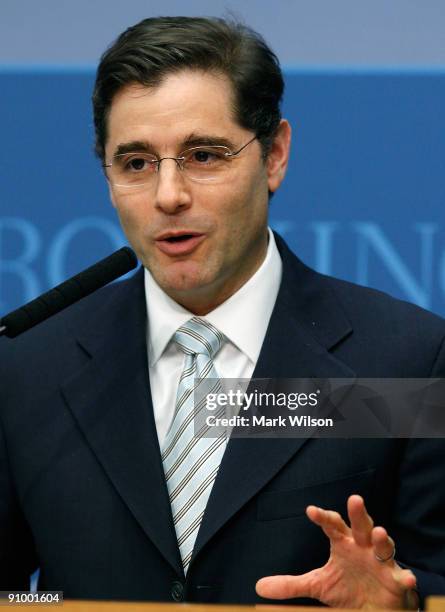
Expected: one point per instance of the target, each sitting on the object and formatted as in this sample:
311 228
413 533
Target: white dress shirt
243 319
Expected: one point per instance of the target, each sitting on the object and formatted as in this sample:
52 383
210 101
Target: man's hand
353 577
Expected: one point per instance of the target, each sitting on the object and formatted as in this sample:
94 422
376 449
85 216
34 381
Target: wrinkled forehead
184 103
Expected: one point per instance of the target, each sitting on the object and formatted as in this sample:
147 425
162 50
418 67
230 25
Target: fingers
406 579
384 547
408 584
362 529
285 587
361 522
331 522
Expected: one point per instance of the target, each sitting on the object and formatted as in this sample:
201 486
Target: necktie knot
199 337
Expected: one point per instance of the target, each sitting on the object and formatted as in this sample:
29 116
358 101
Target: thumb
286 587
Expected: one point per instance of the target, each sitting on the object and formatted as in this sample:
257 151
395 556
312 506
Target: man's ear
278 157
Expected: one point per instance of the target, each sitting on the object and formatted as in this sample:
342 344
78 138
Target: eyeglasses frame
178 161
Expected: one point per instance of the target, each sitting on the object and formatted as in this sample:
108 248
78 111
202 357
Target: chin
181 282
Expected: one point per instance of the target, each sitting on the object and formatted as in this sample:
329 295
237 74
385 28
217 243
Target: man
93 435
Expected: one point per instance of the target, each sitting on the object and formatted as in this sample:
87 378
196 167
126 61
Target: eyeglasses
203 164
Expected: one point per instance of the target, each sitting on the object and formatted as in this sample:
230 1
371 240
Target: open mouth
181 238
181 244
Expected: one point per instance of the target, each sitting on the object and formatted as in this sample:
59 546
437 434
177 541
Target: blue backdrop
363 200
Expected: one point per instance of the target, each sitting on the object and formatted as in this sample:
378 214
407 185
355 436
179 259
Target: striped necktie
191 462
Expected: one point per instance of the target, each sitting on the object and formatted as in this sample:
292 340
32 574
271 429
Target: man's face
226 221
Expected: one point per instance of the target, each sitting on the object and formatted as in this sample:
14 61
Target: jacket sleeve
419 531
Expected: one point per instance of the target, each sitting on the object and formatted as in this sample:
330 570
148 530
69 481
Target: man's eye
136 164
202 156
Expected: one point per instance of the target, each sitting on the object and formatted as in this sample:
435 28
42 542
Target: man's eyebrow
135 146
193 140
196 140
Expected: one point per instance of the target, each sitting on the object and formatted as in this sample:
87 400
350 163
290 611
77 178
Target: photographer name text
291 420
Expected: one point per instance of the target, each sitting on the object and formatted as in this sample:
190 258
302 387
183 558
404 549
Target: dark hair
150 50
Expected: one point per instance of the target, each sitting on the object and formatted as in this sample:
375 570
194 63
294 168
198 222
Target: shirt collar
243 318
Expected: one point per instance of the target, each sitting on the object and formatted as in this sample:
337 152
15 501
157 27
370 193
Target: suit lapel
111 401
306 322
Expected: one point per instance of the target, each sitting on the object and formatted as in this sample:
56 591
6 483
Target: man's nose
172 189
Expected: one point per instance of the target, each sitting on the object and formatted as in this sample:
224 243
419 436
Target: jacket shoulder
50 344
366 305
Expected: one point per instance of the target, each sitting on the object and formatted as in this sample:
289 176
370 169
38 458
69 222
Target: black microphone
67 293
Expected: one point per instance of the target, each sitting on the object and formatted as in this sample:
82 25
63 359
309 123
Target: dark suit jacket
82 491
